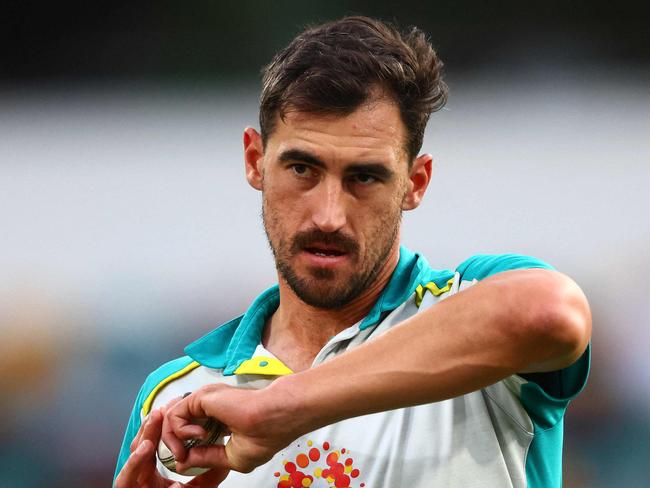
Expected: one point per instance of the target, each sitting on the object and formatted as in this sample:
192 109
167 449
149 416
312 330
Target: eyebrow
380 170
300 155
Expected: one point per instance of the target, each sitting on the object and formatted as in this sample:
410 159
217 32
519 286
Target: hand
140 469
257 429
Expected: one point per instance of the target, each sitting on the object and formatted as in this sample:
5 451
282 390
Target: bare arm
514 322
517 321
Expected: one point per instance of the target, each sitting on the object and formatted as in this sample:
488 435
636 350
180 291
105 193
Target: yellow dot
306 482
310 443
348 469
284 477
318 472
330 479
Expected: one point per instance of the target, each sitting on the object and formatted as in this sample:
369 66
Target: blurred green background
127 229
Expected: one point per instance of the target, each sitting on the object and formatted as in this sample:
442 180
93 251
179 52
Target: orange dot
302 460
332 458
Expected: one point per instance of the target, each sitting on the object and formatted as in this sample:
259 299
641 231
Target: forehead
374 131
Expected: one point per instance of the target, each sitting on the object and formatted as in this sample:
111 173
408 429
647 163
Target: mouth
325 251
325 256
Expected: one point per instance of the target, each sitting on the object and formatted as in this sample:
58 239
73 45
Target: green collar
227 346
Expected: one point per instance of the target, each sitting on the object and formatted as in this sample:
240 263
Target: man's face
333 192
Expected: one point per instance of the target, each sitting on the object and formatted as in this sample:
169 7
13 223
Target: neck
297 331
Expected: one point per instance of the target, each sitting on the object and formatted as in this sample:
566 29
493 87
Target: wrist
284 407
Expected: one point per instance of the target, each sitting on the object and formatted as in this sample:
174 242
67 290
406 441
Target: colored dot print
314 454
302 460
338 471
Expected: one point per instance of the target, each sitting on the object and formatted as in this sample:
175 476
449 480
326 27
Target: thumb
209 456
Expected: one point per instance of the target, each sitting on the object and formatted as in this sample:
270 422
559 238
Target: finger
137 463
174 442
212 456
136 440
178 426
153 428
209 479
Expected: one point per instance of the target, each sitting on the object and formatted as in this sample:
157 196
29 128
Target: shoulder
161 377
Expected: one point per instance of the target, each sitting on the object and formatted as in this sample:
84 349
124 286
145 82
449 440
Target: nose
329 213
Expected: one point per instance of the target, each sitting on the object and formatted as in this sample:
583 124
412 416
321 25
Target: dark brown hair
335 67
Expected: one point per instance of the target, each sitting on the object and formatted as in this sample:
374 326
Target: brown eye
365 179
300 169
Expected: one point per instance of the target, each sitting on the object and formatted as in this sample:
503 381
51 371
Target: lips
324 248
325 251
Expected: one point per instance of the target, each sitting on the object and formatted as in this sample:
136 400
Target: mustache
312 237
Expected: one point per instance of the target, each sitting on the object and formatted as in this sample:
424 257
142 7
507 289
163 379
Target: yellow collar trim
263 365
433 288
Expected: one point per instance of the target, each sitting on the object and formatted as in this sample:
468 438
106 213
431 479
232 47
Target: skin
342 182
514 322
140 469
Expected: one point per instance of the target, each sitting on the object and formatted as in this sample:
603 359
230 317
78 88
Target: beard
327 288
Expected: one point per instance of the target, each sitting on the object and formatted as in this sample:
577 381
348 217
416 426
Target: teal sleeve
150 383
131 430
484 265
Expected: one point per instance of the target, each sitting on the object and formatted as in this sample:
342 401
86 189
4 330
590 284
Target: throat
297 343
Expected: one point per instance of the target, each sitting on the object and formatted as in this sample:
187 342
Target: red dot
355 473
296 478
338 469
302 460
284 484
342 481
326 445
276 474
343 450
290 467
362 485
332 458
348 462
314 454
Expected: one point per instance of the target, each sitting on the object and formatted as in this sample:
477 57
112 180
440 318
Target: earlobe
419 179
253 157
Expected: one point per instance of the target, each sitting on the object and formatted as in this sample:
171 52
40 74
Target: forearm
532 320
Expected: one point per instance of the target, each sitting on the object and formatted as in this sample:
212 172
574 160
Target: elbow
563 322
557 322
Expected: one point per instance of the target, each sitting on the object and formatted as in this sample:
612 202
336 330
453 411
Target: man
364 366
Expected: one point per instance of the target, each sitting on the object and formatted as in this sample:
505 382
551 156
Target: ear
419 179
253 157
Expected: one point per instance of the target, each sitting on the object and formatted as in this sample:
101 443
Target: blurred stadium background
127 229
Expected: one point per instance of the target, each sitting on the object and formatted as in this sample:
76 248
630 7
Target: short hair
335 67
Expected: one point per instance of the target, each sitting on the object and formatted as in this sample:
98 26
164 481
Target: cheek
377 220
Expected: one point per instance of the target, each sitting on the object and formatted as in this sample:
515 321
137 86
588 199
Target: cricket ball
215 430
